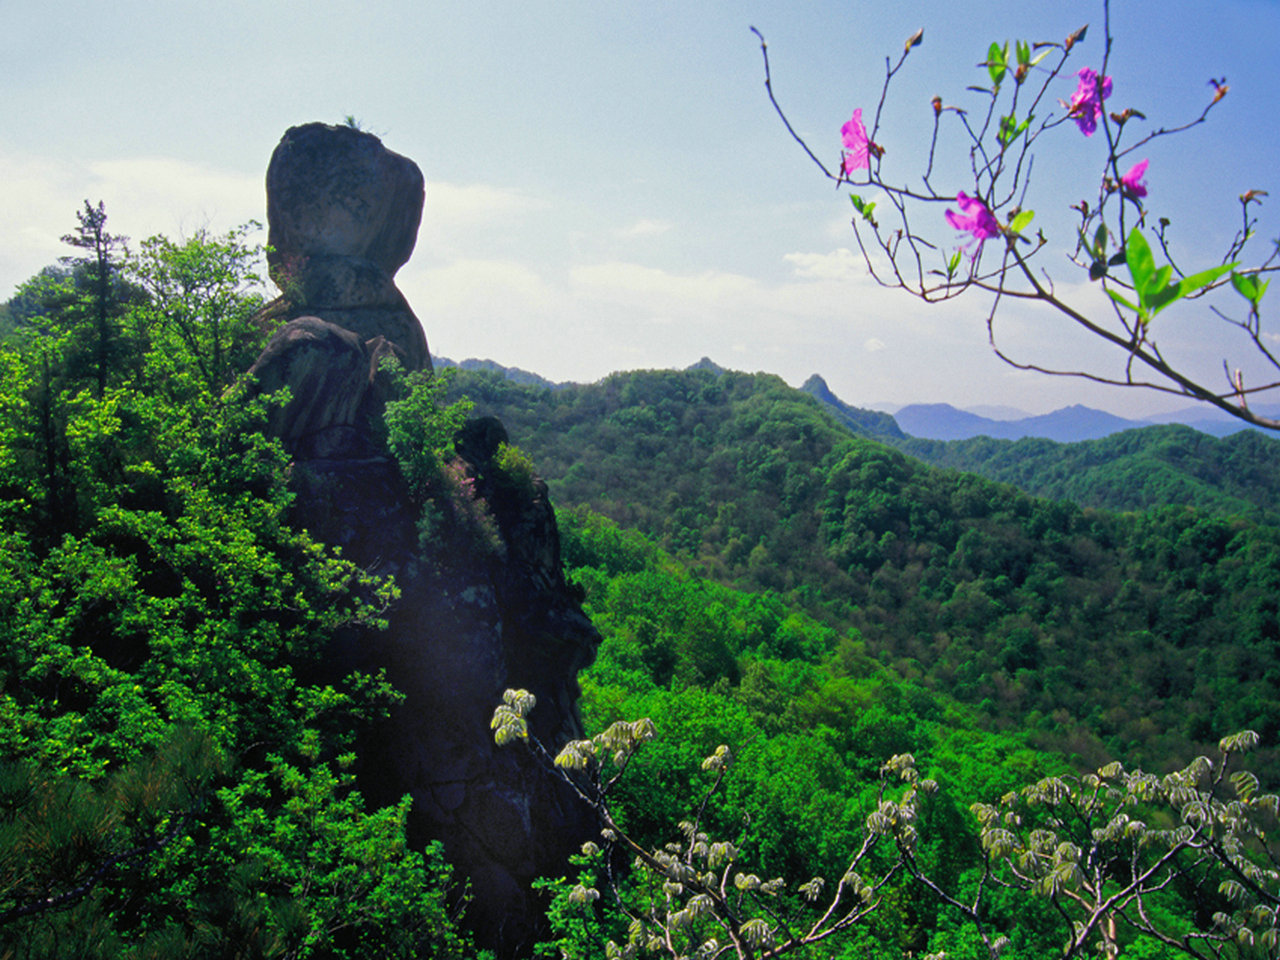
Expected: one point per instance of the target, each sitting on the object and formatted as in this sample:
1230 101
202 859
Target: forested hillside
1135 470
177 753
811 718
746 736
1138 469
1149 633
179 763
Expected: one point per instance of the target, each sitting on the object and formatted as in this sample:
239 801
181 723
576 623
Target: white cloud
176 197
143 196
873 345
841 264
644 228
461 218
497 291
700 297
451 206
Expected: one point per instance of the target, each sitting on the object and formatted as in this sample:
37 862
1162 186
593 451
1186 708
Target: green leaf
1141 262
1158 284
1010 129
1246 285
997 62
1162 298
1023 50
1020 222
1202 279
1007 129
1100 242
1123 302
1156 288
953 264
864 208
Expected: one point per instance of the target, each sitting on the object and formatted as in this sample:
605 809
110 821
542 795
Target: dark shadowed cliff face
469 623
476 615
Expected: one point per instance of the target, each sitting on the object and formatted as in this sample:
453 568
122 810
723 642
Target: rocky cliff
475 616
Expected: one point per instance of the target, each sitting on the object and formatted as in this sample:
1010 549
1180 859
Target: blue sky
607 185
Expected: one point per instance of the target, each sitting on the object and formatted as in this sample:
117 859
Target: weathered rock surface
342 217
335 191
483 607
472 621
337 391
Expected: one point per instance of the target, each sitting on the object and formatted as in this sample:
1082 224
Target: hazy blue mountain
941 421
1215 422
997 411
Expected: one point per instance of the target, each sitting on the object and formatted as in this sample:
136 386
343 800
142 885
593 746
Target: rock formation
474 616
342 217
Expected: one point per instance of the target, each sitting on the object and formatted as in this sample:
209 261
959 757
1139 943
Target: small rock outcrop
477 613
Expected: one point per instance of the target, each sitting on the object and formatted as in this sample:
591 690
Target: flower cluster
974 217
856 144
1132 183
1086 103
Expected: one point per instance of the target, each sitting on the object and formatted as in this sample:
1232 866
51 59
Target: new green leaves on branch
1154 288
1250 286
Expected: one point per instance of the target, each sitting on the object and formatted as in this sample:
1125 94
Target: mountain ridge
1137 467
945 421
1010 601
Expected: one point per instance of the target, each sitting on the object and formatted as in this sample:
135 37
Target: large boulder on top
342 217
342 214
338 192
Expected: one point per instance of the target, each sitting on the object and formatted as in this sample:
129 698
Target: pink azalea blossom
855 143
973 217
1086 102
1132 183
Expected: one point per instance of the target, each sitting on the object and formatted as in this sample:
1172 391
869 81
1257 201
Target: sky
608 187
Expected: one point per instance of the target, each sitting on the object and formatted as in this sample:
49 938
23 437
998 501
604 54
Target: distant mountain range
942 421
1089 457
1086 456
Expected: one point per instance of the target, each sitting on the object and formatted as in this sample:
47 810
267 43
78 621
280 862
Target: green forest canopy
179 779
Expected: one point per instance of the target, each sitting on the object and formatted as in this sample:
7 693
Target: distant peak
706 363
816 386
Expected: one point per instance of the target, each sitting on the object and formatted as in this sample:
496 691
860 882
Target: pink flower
1086 103
973 217
856 143
1132 183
